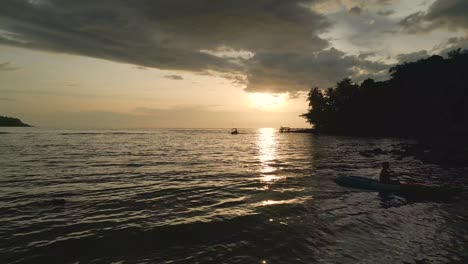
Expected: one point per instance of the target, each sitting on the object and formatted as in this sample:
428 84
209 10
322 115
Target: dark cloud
452 44
163 34
294 72
414 56
355 10
281 38
7 66
236 79
386 12
174 77
450 14
454 40
327 5
385 2
414 22
365 55
365 31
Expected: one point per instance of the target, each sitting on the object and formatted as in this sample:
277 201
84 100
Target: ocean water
205 196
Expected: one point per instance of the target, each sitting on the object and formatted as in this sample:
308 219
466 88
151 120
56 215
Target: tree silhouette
426 97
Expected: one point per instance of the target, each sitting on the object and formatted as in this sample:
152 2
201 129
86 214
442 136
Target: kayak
375 185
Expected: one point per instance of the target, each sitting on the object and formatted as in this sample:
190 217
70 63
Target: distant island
11 122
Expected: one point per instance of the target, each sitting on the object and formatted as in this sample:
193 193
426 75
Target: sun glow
267 101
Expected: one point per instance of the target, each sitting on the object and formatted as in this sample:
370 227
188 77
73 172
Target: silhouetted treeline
426 97
11 122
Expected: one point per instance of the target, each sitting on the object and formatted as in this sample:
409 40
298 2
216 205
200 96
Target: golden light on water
269 178
266 143
275 202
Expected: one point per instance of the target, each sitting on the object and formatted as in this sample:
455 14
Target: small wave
133 241
202 196
105 133
84 133
50 203
134 165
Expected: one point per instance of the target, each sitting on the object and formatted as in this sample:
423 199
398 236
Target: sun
267 101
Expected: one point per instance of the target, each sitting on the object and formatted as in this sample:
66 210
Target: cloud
264 45
195 36
387 12
163 34
449 14
355 10
7 66
294 72
113 31
367 32
414 23
414 56
331 6
452 44
365 55
174 77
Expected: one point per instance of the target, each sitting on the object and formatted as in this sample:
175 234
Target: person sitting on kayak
386 174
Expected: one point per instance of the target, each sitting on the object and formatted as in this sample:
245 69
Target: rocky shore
445 152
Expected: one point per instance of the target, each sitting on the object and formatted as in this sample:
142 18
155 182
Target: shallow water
205 196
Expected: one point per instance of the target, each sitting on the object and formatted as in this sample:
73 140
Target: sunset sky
218 63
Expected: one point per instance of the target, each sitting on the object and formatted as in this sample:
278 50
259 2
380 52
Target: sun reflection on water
266 143
278 202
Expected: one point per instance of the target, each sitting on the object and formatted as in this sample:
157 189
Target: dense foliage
426 97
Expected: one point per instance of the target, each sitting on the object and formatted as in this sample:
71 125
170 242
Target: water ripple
204 196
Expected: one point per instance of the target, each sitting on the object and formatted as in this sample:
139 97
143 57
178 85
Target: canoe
410 189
